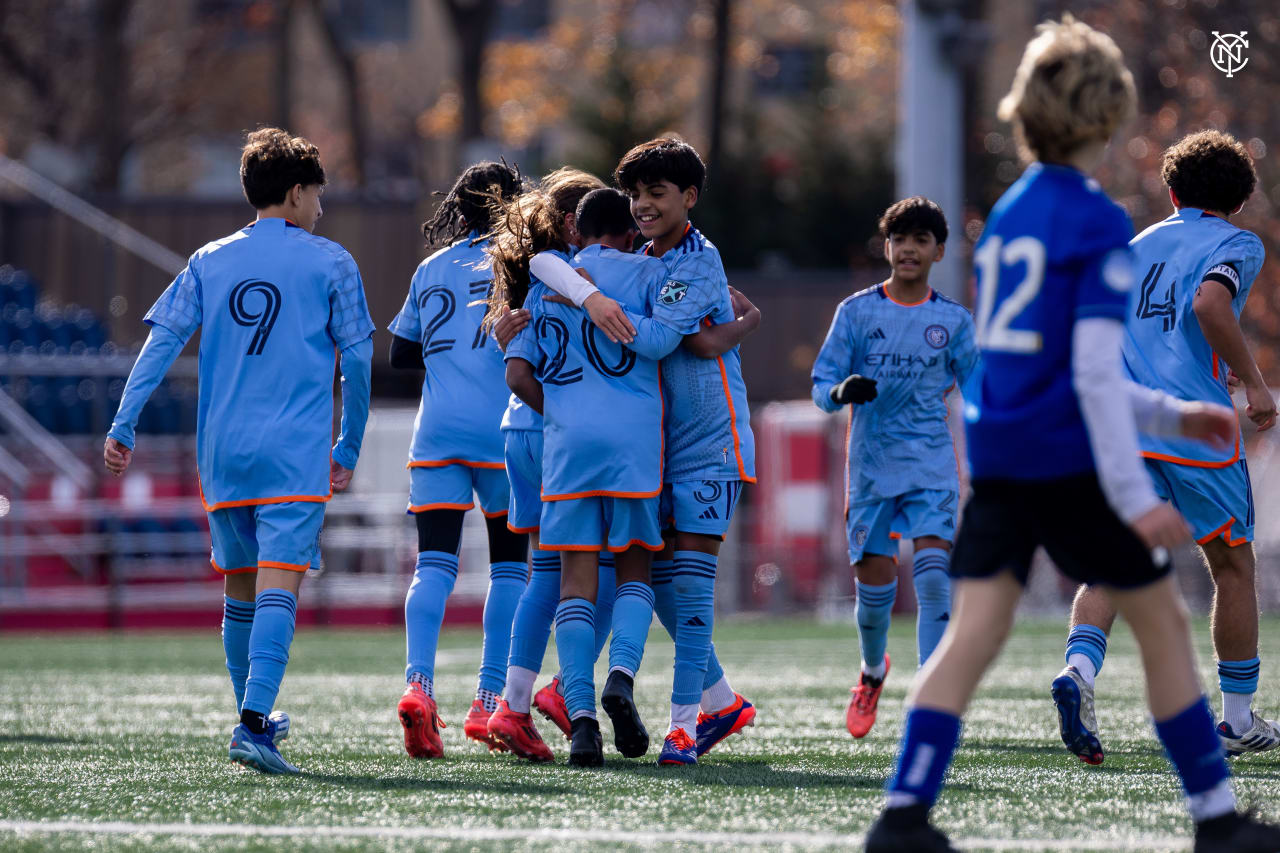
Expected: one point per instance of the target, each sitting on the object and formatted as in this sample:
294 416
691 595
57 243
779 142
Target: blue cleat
1077 724
713 728
258 752
678 748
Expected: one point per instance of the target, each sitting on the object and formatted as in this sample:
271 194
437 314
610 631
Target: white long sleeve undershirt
552 271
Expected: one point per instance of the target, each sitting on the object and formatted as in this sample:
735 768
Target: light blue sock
933 598
694 582
1089 641
506 583
664 605
433 580
875 604
575 641
928 742
531 627
605 596
274 613
237 623
632 615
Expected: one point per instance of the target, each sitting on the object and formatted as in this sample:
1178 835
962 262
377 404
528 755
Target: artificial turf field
131 732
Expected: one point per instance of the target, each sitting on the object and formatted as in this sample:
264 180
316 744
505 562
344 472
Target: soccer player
277 305
893 353
1182 332
457 450
1052 442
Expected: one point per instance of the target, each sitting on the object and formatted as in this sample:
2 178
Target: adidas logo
877 335
696 623
709 512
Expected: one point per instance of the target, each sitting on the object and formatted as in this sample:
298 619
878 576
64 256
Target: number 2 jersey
1163 345
464 390
275 304
1054 251
900 441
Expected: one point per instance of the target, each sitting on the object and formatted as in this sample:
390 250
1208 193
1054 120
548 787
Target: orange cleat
517 733
860 716
422 724
550 704
476 727
713 728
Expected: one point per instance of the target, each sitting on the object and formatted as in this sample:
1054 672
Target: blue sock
274 612
605 596
694 584
928 742
531 627
433 580
1089 641
237 622
1194 748
933 598
632 615
664 605
875 604
506 582
1239 676
575 641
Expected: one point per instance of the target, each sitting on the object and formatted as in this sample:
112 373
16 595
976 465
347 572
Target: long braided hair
467 207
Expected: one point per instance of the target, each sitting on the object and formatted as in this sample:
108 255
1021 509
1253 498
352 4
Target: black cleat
1237 833
586 747
629 735
906 829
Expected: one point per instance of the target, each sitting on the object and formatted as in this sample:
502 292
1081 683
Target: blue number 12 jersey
1054 251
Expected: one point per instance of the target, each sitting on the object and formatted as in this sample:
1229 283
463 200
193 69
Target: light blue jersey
899 442
274 301
603 428
518 415
708 420
1055 250
464 391
1164 347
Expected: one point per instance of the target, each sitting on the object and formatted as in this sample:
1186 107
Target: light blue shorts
451 487
1214 501
874 525
600 523
700 506
274 536
524 474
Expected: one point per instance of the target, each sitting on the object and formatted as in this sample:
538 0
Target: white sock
685 717
559 679
519 692
1212 803
622 669
419 678
875 671
576 714
1084 666
1237 710
718 696
899 800
488 699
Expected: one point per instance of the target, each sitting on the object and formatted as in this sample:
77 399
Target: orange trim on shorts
533 529
602 493
1225 532
240 571
885 290
543 546
635 542
497 514
1195 463
443 463
425 507
733 418
283 499
292 567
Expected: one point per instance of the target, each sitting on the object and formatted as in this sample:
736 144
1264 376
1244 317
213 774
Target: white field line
536 834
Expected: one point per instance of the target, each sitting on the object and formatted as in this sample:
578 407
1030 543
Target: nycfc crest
860 535
1227 51
937 336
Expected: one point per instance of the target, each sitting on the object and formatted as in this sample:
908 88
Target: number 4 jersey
1054 251
275 304
1164 347
464 390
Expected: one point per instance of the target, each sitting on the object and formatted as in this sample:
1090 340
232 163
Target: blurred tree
472 20
344 59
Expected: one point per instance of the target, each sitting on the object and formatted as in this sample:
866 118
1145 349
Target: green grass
134 729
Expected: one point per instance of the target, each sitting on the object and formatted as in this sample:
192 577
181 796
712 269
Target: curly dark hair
667 158
914 214
273 162
1210 170
468 206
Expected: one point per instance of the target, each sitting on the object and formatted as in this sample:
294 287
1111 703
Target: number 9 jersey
1054 250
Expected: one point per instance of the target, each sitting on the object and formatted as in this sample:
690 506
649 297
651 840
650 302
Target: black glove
854 389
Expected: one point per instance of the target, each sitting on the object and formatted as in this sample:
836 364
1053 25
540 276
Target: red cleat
517 733
550 704
417 712
476 727
860 716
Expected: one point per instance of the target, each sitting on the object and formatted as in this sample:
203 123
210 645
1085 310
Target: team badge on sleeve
937 336
672 292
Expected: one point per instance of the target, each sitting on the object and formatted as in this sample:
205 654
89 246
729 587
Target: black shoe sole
629 735
588 757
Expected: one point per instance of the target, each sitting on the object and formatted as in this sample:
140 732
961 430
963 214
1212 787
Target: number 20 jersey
464 389
1054 251
274 304
1164 347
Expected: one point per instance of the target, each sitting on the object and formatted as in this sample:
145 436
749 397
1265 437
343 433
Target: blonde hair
1071 89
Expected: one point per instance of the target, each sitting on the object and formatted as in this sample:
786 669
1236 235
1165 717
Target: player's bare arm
1212 305
509 325
524 384
713 341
